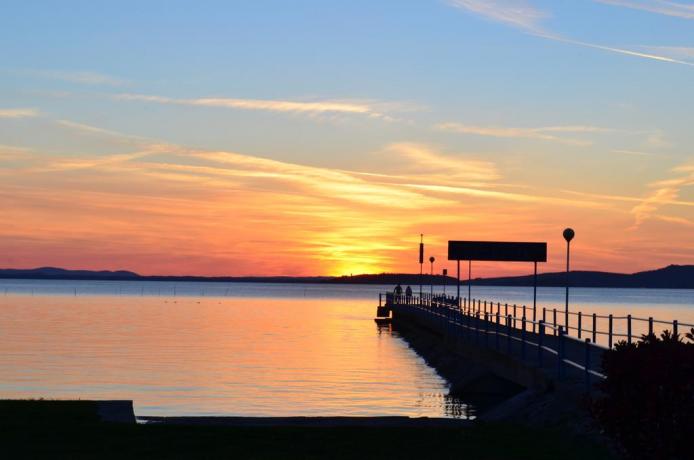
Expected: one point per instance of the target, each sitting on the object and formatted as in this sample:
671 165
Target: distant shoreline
670 277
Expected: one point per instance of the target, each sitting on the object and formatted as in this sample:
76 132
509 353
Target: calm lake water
243 349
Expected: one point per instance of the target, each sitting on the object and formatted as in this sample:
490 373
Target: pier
529 346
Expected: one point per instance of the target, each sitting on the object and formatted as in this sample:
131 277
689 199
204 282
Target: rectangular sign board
497 251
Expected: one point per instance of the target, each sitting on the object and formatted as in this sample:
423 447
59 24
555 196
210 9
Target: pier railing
540 335
604 330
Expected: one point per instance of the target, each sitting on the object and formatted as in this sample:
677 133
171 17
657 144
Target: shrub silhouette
647 404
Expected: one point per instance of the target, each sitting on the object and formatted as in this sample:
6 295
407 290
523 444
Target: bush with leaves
647 402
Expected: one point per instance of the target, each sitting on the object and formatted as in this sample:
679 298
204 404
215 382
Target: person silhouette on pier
398 290
408 293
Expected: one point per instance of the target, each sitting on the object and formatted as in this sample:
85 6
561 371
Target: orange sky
295 138
159 208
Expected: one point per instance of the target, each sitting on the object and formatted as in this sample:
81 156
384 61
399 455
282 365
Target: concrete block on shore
116 411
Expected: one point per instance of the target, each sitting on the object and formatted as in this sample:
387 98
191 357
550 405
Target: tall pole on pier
568 236
431 260
421 262
469 279
458 285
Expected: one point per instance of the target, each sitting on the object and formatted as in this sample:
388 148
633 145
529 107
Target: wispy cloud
664 192
521 15
294 218
676 52
633 153
664 7
11 152
657 139
94 129
80 77
19 113
516 13
541 133
627 52
367 109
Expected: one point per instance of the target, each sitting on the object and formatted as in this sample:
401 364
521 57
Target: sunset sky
322 137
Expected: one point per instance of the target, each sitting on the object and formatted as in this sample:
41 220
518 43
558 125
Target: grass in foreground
70 431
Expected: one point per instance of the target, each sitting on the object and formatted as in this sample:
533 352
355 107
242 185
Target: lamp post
421 263
431 260
568 236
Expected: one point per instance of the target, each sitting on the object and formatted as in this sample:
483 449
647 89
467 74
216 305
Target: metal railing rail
595 326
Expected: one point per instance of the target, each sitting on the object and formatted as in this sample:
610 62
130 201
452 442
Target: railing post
555 321
485 307
595 327
674 328
514 315
540 342
523 340
650 325
629 328
534 317
486 328
524 313
477 328
496 329
587 365
505 309
508 336
544 314
560 352
579 324
469 327
609 332
380 304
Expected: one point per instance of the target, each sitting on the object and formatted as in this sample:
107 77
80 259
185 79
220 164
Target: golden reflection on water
226 356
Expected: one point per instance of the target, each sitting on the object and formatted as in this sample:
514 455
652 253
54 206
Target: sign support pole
469 278
458 286
535 287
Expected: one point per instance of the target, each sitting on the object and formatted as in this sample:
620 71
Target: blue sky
569 98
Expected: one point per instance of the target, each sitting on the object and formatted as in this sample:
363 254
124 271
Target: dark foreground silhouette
647 401
50 429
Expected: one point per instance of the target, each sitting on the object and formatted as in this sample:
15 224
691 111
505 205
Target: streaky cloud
516 13
522 16
19 113
664 192
676 52
655 57
305 107
80 77
667 8
541 133
633 152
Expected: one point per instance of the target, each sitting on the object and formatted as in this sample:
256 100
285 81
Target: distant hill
122 275
670 277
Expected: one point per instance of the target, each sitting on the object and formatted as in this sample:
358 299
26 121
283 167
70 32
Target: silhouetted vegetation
648 402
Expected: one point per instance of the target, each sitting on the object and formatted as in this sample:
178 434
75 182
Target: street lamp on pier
568 236
431 260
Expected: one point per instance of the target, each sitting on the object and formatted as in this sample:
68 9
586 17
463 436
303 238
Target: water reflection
213 356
